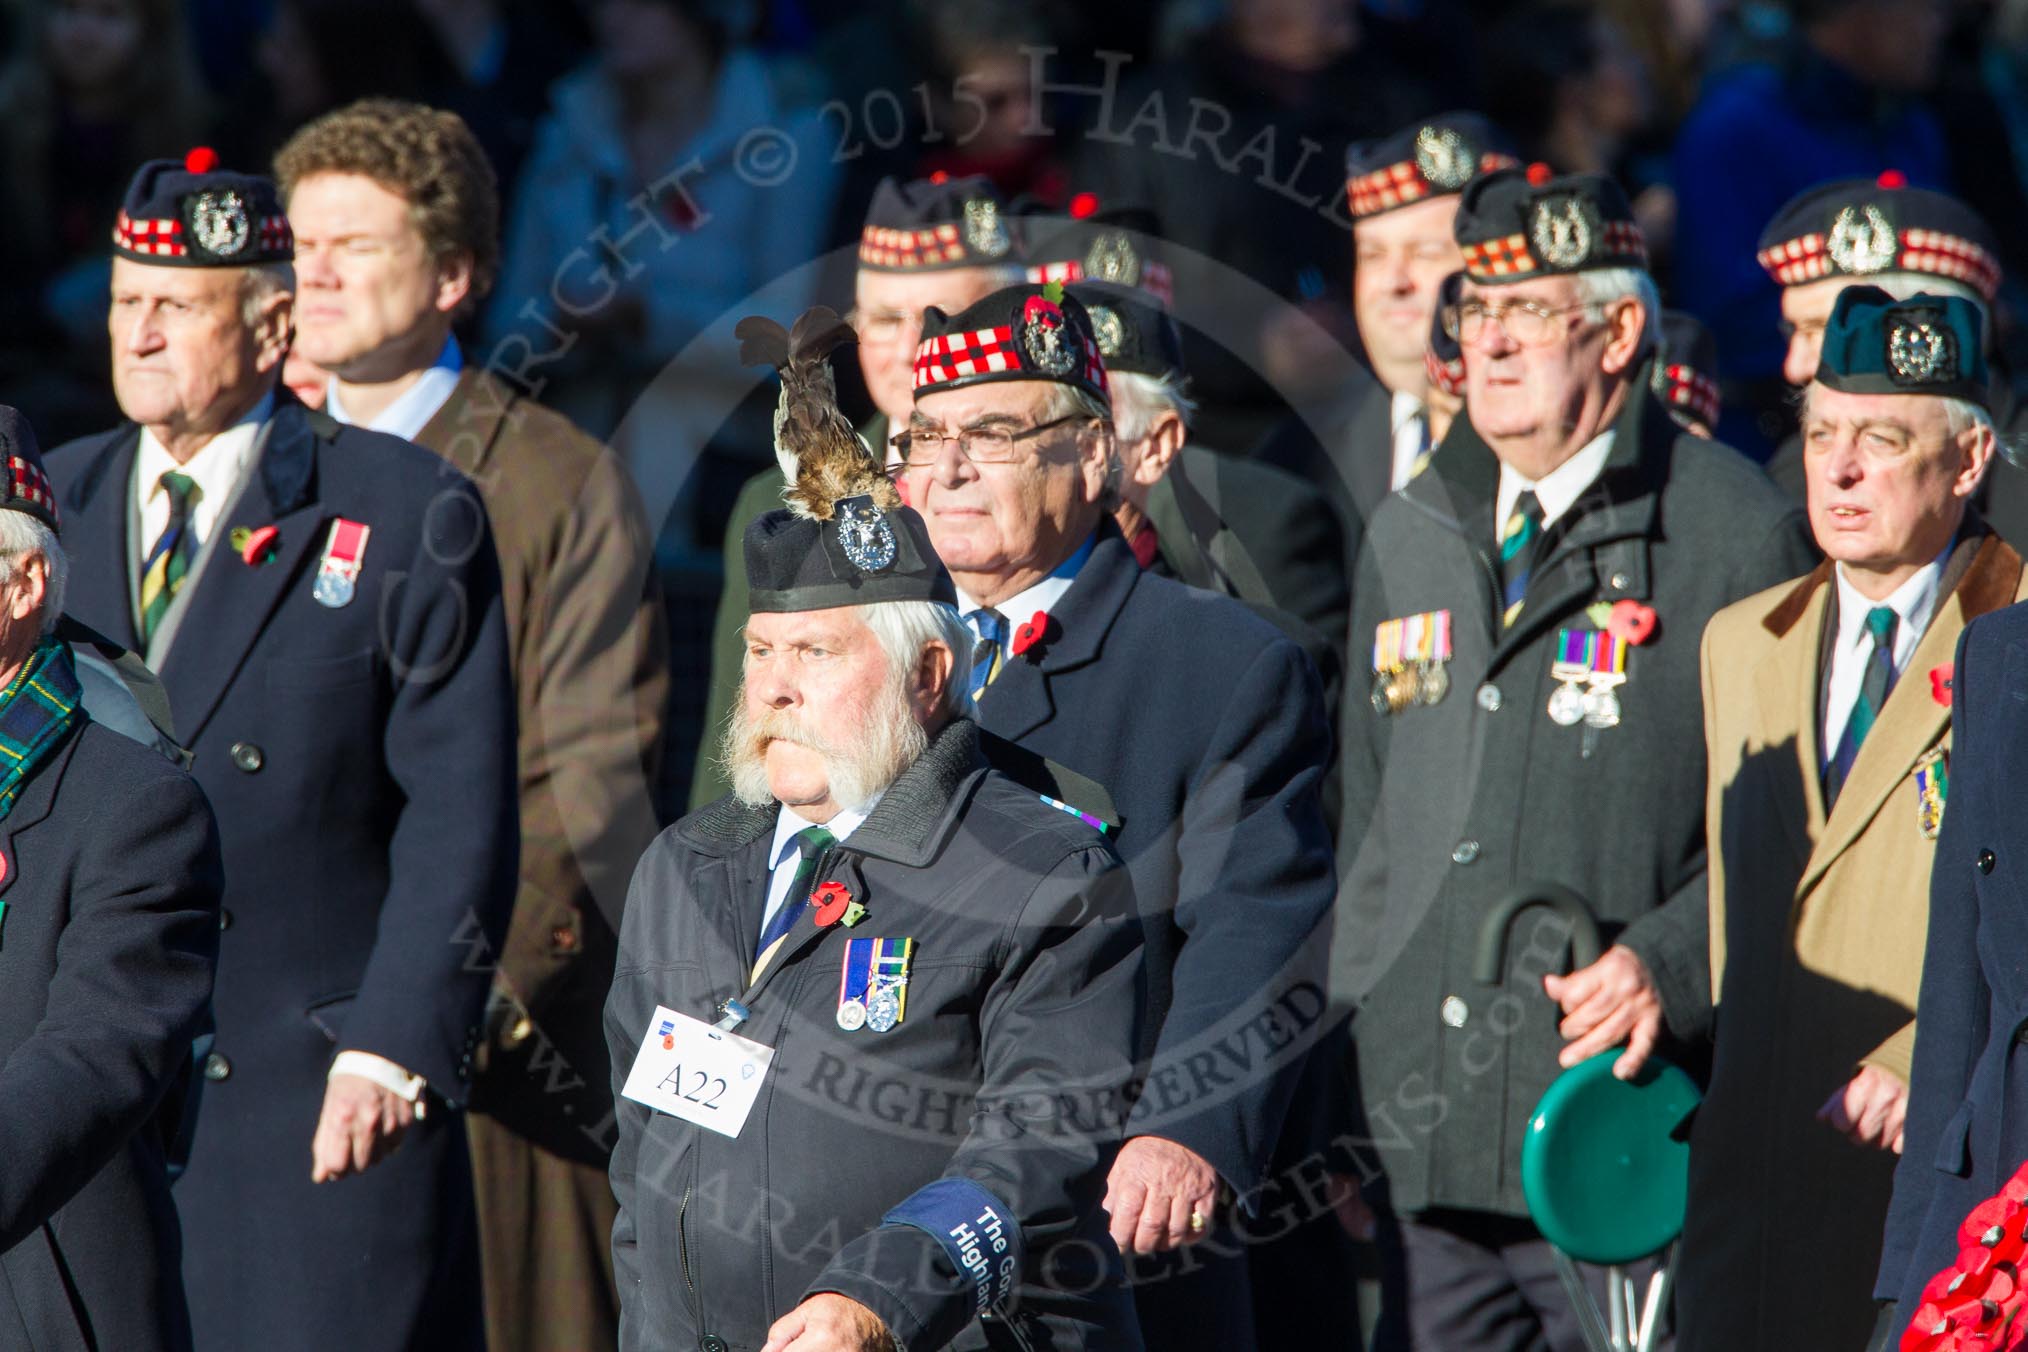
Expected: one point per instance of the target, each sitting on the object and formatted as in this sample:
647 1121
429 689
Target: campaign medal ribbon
1589 664
887 987
338 571
1411 657
852 982
1932 786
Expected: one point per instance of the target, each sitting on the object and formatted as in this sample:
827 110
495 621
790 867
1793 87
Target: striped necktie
1517 552
1874 686
991 627
168 562
811 842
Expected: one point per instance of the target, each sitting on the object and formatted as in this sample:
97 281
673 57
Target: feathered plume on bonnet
844 538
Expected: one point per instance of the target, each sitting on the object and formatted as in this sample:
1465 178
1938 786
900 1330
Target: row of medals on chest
1411 666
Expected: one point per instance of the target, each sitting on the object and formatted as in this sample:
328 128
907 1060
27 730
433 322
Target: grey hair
1600 287
21 535
1140 399
1068 401
904 628
258 283
1902 285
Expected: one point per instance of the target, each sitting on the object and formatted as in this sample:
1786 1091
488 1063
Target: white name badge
702 1074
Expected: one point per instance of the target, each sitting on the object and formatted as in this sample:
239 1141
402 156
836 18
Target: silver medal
851 1015
1434 684
1601 707
1566 706
883 1011
334 587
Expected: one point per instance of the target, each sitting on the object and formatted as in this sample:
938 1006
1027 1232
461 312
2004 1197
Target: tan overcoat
1817 930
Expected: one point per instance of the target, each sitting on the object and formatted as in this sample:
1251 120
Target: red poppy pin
1940 683
1033 634
257 545
1631 622
831 900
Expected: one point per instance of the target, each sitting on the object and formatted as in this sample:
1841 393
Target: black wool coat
361 763
1450 807
1009 1069
111 884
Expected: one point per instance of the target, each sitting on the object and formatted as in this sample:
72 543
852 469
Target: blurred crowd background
753 131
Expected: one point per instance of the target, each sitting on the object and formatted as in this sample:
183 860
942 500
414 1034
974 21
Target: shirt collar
1558 490
218 463
415 406
1043 596
789 824
1401 408
1913 602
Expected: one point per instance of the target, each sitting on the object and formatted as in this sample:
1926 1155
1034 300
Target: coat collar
1602 552
465 430
1020 699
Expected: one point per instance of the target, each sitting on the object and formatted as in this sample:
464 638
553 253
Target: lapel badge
338 571
864 535
1411 661
1932 786
255 545
830 901
1940 679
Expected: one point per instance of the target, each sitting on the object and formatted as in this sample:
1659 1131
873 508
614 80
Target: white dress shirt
1913 602
216 468
1410 424
1558 490
1022 606
415 406
782 858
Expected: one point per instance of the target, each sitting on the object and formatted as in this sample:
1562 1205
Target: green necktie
1517 553
811 842
168 561
1874 686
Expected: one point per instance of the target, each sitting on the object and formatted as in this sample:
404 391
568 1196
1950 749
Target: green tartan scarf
38 709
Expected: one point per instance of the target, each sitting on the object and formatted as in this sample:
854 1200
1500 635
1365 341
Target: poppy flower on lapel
1033 635
830 898
1631 622
256 545
1940 683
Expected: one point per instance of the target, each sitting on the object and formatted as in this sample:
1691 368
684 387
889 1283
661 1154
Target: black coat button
217 1068
248 757
711 1342
224 918
1986 861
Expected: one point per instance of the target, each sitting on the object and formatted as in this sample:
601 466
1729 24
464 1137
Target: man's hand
1152 1191
829 1322
1355 1217
1612 1001
360 1126
1870 1108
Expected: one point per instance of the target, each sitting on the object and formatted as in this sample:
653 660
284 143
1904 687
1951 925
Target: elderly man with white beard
874 1010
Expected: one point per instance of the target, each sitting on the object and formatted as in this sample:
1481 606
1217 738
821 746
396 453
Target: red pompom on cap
202 160
1892 178
940 176
1083 204
1540 173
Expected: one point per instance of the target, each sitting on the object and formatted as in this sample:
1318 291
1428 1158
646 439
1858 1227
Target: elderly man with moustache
936 241
1203 722
396 222
873 917
1533 601
1827 713
323 605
